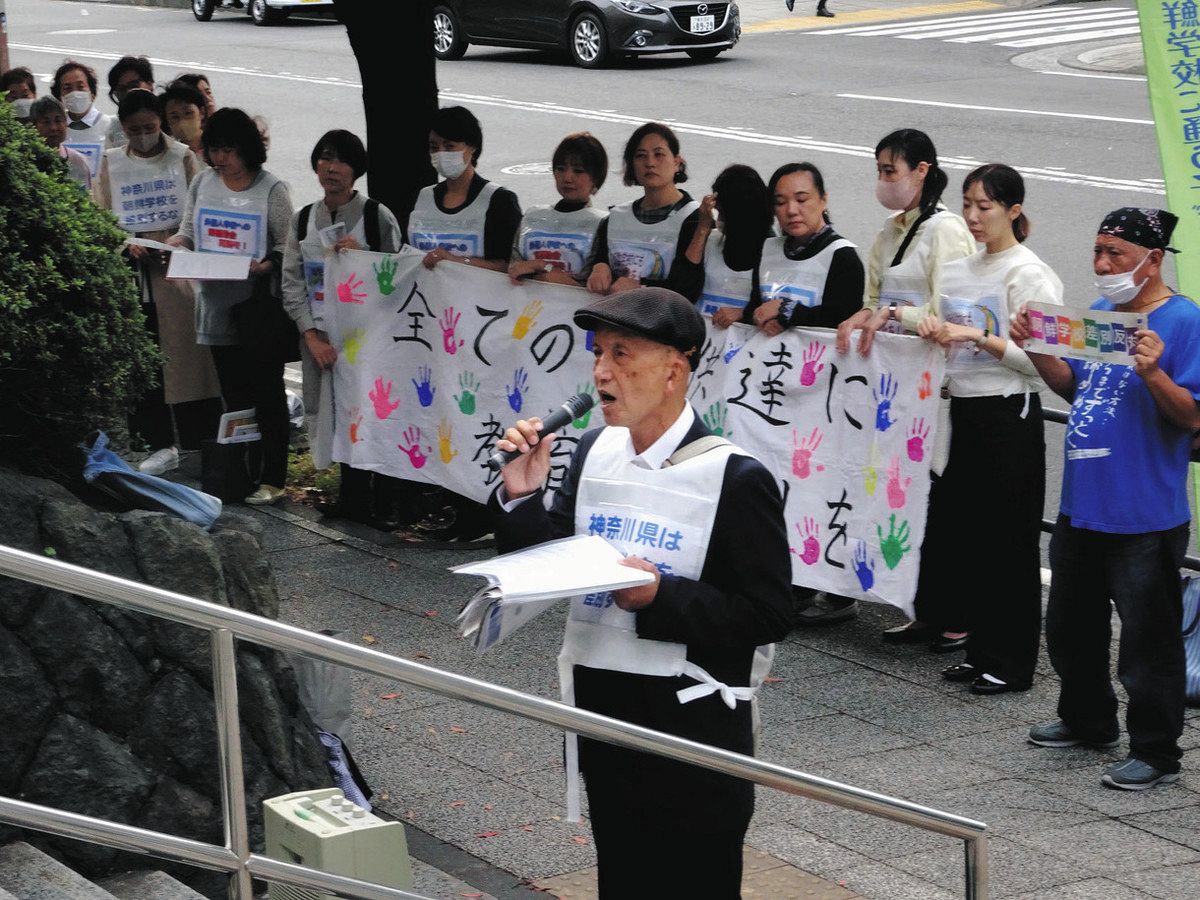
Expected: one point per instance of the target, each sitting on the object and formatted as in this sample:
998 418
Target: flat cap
659 314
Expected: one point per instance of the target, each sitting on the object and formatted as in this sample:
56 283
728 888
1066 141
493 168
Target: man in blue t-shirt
1123 523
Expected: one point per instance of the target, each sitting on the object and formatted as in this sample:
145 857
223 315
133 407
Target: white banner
434 365
1083 333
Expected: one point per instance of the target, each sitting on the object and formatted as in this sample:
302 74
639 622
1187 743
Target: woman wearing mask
237 195
145 184
20 89
186 113
49 119
464 218
343 219
87 128
729 249
554 242
645 242
996 418
129 73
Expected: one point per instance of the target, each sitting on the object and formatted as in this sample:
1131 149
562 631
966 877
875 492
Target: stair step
30 874
145 885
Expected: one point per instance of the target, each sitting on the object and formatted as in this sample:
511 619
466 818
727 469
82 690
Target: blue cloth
1126 465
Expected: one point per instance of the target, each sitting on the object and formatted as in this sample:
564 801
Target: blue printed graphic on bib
149 205
640 259
226 231
566 252
452 242
314 280
710 303
93 153
791 296
983 312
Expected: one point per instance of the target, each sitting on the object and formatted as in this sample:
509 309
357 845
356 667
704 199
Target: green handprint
354 340
582 422
895 545
385 272
470 387
715 420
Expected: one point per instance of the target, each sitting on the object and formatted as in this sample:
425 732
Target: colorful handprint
412 446
469 385
582 422
448 322
353 342
385 275
348 291
589 340
802 451
864 567
445 434
516 390
714 418
918 432
896 490
883 400
926 386
732 352
812 363
872 474
425 389
355 422
527 318
895 545
381 397
810 542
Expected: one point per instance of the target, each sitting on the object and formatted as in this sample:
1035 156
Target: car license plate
703 24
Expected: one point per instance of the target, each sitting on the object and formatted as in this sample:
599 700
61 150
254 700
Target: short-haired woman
186 113
49 118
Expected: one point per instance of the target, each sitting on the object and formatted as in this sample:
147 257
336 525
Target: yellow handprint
354 340
872 470
445 431
526 320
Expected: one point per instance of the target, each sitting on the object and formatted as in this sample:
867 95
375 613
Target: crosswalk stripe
1056 29
1065 21
1068 38
959 21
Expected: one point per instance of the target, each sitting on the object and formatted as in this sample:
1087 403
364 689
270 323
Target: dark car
593 32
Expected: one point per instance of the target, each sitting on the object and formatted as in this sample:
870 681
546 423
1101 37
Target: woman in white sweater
997 447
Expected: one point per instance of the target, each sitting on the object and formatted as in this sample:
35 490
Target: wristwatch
892 311
982 339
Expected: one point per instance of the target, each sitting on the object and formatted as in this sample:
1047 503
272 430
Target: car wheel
262 14
589 42
448 41
203 9
705 53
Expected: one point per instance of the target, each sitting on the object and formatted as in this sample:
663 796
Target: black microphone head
579 404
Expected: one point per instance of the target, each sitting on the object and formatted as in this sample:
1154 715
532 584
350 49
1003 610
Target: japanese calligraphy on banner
1083 333
434 365
149 205
1171 44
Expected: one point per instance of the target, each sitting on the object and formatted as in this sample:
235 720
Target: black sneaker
1056 734
1134 775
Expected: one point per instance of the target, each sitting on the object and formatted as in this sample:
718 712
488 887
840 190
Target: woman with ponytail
996 433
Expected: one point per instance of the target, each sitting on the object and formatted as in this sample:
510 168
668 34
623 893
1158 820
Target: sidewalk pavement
482 792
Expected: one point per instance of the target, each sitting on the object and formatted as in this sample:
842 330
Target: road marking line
1049 29
957 22
1069 38
806 23
1040 173
1004 109
1093 75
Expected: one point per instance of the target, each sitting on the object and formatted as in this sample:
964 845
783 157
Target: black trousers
981 559
1139 573
248 381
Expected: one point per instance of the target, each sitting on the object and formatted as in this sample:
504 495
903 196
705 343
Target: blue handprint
589 340
732 352
425 391
883 398
864 568
516 391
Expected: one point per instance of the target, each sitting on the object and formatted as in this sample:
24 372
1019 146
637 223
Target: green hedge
74 351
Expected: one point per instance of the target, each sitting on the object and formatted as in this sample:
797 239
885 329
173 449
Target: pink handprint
348 290
918 431
416 456
381 397
812 363
449 321
355 424
802 451
809 537
896 490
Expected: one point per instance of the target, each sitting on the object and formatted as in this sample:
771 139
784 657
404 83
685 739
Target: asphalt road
1085 142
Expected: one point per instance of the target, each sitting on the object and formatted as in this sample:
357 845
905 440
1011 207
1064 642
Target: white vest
723 286
795 282
908 283
459 232
563 239
232 221
641 251
90 142
312 253
978 304
148 194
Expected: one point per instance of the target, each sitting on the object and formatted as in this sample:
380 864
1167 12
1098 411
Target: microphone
568 412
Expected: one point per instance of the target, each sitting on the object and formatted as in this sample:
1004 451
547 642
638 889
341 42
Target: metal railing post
976 852
229 750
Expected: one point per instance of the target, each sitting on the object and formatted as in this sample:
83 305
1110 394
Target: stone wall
110 713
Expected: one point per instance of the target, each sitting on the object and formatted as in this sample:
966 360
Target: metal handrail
226 623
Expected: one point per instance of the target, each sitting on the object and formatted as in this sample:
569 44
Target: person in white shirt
87 128
49 119
129 73
997 446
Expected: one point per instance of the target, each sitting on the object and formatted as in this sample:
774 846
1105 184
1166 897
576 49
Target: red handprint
925 388
896 490
381 397
348 290
809 537
812 363
449 321
416 456
918 431
355 423
802 451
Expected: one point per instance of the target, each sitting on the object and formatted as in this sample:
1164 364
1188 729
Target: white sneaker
160 461
266 495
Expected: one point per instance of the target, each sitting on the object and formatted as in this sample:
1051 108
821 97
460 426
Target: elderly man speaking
676 654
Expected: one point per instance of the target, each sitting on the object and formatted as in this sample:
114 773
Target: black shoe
948 645
824 13
988 685
908 633
790 4
960 672
1134 775
825 610
1057 735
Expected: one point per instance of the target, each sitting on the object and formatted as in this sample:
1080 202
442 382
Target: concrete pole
4 63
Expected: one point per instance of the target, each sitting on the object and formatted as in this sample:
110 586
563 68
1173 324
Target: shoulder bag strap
696 448
912 233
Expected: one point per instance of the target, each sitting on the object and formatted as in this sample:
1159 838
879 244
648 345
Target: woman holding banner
996 419
554 242
145 183
645 242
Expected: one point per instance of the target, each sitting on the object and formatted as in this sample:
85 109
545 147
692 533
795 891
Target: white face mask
144 143
78 102
21 107
896 194
1120 288
449 163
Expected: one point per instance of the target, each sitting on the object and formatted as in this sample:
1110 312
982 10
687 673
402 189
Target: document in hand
524 584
